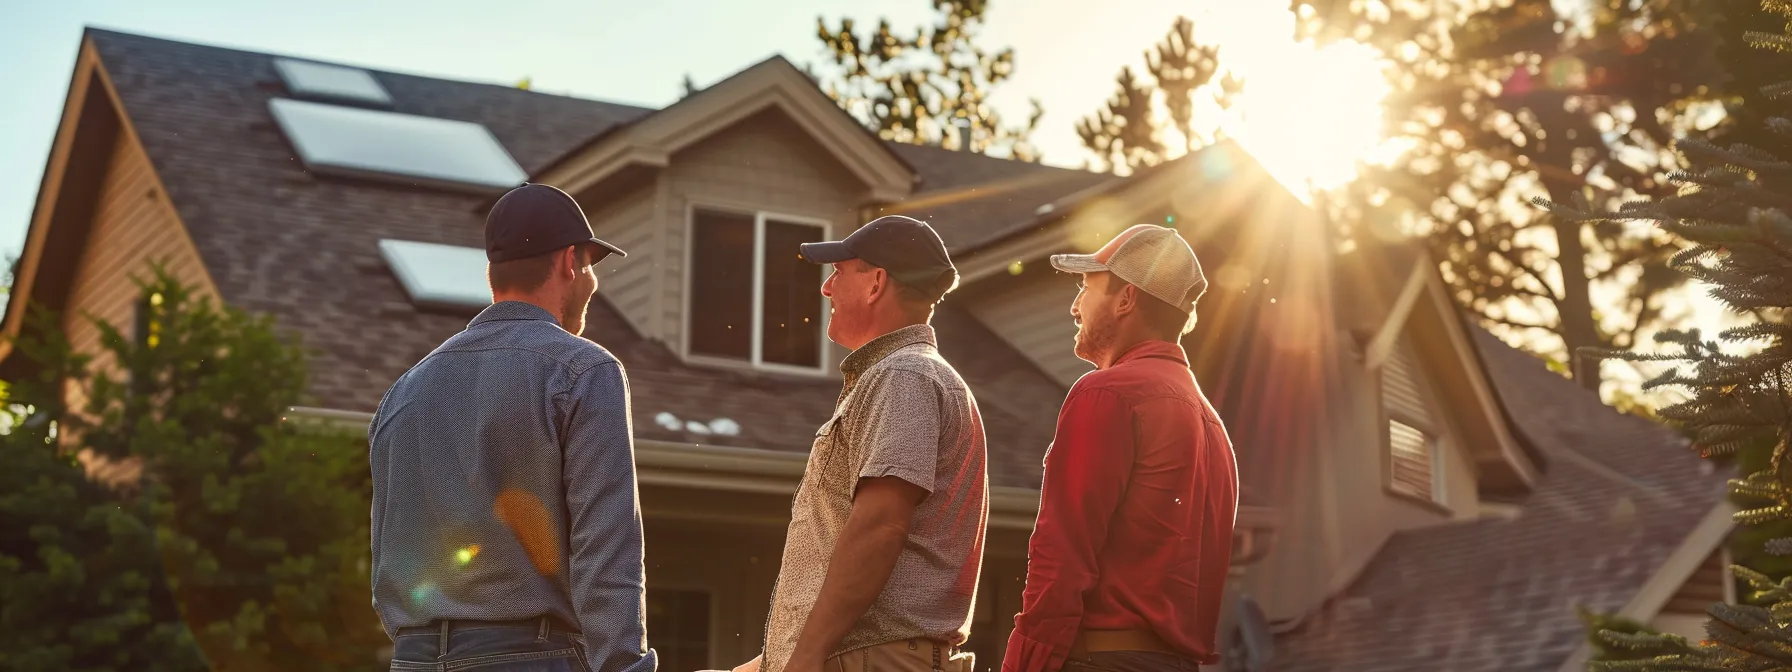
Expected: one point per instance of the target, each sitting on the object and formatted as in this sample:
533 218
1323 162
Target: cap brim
831 252
608 248
1077 263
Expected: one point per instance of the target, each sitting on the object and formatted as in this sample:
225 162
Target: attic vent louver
393 147
331 83
443 277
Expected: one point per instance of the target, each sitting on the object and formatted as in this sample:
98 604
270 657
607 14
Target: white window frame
755 358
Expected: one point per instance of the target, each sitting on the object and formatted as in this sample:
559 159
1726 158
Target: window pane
791 332
721 301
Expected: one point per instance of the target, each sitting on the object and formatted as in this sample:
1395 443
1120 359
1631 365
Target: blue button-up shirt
504 487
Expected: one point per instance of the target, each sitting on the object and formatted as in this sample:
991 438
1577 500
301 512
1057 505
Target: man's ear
880 284
1127 301
569 262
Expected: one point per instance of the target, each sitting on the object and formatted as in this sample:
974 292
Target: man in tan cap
1128 559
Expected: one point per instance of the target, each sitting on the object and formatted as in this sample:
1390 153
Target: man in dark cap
506 520
885 542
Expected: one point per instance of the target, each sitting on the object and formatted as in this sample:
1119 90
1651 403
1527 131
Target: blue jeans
1129 661
531 646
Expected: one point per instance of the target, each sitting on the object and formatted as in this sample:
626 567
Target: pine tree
236 534
1126 134
80 587
1732 212
1495 103
923 89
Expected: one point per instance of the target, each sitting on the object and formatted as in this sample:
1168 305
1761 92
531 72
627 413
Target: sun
1311 115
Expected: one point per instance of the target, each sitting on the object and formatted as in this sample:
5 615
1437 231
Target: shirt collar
513 310
1159 349
880 347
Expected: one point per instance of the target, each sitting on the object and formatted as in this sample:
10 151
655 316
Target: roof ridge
97 30
911 146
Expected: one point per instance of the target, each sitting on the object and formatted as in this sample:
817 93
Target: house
1418 495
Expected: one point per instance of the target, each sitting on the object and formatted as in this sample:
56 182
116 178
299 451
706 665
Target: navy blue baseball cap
908 248
535 219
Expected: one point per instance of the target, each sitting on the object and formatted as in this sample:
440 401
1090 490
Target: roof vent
331 83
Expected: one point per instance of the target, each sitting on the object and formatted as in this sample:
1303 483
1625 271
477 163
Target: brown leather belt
1095 641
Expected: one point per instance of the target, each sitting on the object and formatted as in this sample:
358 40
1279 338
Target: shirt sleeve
605 570
897 427
1086 470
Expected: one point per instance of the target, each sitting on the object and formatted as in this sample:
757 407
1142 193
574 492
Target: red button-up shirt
1135 516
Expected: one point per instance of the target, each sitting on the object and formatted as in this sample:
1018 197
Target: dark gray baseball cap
535 219
908 248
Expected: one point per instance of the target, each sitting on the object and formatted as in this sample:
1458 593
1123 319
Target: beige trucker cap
1150 257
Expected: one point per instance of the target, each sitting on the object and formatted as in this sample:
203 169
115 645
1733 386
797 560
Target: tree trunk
1575 310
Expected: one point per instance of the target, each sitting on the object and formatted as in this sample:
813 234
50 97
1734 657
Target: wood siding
630 223
764 164
134 227
1704 588
1034 318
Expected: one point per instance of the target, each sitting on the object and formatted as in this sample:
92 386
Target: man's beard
1093 340
572 313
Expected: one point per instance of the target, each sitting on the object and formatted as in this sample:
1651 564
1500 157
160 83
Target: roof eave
770 84
56 169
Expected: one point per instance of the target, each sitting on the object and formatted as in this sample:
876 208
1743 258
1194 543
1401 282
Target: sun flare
1308 114
1311 115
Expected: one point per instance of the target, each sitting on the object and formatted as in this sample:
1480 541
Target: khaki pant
910 655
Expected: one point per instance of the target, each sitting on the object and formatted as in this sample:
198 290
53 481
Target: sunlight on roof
1309 115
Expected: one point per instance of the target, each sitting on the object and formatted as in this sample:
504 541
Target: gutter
726 468
772 472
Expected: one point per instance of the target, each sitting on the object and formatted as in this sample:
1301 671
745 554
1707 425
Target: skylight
439 276
317 81
394 147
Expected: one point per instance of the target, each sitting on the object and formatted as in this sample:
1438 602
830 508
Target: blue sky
630 52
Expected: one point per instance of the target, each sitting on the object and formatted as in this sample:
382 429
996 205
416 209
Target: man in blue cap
881 559
506 519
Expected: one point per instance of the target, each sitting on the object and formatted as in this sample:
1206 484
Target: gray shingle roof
975 200
1620 494
304 248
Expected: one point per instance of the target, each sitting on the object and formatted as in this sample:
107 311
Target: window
678 628
1412 440
441 277
331 83
752 298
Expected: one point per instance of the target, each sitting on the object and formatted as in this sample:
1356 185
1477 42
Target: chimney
964 136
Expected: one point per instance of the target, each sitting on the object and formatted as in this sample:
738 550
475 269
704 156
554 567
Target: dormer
712 196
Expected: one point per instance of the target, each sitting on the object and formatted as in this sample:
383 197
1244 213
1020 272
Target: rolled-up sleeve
606 569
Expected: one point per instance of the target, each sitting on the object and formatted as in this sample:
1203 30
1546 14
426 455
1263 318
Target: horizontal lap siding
630 223
1035 319
134 226
1704 588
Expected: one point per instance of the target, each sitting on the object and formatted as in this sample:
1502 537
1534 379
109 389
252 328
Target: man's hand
863 558
751 665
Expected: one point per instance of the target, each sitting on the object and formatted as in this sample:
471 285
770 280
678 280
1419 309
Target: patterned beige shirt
903 412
